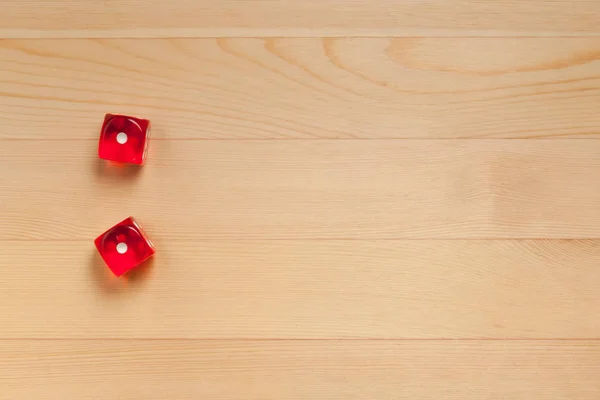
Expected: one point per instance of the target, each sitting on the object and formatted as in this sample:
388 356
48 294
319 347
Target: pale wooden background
351 199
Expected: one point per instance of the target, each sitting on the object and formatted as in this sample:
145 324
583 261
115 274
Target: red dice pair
124 139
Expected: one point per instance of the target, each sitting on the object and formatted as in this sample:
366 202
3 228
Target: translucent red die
124 139
124 246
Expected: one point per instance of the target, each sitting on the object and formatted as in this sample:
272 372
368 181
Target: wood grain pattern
129 370
306 189
306 289
218 18
350 199
304 88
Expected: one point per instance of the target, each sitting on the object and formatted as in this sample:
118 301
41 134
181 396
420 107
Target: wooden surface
350 199
302 369
297 18
309 289
309 88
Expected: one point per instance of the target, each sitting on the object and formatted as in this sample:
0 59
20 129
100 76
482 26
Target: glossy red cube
124 139
124 246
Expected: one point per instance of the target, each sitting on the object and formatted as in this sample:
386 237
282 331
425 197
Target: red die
124 139
124 246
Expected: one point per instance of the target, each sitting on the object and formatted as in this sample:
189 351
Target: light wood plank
304 88
359 189
547 370
305 289
217 18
